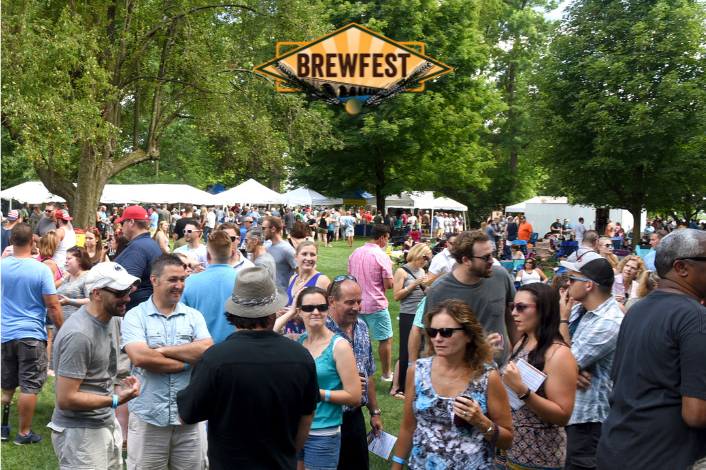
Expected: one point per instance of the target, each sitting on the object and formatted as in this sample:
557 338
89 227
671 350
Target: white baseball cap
110 275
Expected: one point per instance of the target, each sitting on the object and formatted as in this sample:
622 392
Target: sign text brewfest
352 67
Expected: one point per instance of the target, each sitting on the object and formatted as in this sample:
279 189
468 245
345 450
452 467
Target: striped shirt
593 345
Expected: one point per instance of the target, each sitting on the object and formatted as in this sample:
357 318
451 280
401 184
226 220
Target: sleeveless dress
536 443
438 443
297 326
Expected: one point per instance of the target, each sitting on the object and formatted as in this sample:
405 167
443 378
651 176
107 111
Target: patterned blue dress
437 443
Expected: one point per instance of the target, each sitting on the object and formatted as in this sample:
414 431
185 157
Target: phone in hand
460 422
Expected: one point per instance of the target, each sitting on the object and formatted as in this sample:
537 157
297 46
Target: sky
556 14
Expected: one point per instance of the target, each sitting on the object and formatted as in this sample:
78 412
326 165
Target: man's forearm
372 399
186 352
81 401
154 361
303 432
56 316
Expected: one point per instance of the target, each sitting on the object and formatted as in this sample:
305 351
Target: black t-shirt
181 223
659 358
253 388
556 227
512 231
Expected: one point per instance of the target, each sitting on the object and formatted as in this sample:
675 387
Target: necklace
463 372
304 281
320 343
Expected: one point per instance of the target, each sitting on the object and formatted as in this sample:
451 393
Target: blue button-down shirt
593 346
362 349
158 390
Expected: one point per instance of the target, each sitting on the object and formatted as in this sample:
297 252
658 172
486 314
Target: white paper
531 376
381 446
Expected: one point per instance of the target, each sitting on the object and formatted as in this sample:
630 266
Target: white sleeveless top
69 241
530 278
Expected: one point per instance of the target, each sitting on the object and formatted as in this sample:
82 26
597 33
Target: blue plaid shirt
593 345
362 349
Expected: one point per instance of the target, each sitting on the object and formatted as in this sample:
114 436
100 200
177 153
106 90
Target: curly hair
640 264
478 351
465 241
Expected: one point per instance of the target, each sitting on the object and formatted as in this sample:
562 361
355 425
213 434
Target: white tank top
69 241
530 278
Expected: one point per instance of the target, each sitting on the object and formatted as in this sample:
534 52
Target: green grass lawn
332 262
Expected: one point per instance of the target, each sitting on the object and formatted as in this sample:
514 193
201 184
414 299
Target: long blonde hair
48 244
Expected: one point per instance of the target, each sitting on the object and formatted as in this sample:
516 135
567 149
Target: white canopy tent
425 200
308 197
251 192
33 192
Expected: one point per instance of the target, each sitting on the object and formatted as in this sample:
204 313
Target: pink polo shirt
370 265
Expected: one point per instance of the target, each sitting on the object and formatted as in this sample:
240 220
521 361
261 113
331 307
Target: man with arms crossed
163 338
373 270
86 356
257 389
28 295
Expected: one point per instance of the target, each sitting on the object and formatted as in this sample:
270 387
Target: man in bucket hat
257 389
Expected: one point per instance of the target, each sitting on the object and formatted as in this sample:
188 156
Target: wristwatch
489 431
375 412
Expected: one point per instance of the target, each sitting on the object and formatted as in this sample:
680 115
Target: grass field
332 262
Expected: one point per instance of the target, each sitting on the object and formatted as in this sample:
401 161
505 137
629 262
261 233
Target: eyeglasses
311 308
444 332
520 307
191 231
118 293
694 258
485 258
347 276
583 279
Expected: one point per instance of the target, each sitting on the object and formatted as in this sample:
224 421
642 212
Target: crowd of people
206 338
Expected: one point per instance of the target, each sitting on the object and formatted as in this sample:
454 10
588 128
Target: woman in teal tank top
339 382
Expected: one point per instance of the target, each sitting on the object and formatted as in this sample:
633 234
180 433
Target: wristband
327 396
115 402
526 394
186 366
409 364
398 460
564 321
73 301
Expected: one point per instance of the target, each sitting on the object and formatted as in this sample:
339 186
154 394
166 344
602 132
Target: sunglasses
694 258
191 231
247 221
608 245
444 332
520 307
426 258
485 258
232 239
48 210
347 276
91 228
311 308
582 279
118 293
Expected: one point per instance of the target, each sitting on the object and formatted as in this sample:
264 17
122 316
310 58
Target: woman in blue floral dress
456 407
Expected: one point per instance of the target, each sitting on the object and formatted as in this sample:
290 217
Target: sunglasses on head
520 307
91 228
444 332
347 276
191 231
311 308
118 293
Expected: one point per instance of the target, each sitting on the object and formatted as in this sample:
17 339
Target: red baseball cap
63 214
133 212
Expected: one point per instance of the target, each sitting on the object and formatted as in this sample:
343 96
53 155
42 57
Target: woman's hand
620 298
469 410
513 379
495 340
63 300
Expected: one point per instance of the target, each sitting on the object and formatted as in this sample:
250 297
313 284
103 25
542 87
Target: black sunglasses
311 308
444 332
694 258
519 306
485 258
347 276
191 231
232 239
118 293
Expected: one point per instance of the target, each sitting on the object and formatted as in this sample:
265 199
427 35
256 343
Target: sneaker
5 436
386 379
31 439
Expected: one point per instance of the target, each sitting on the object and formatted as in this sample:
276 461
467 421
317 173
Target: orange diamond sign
352 67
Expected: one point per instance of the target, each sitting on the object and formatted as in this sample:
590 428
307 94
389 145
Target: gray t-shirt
283 254
490 230
73 289
266 260
488 300
410 303
87 349
289 219
43 226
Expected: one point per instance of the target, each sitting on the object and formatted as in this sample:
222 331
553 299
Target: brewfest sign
352 67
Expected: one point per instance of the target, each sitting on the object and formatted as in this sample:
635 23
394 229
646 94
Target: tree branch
133 158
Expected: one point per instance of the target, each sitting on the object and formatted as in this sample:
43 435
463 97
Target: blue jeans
321 452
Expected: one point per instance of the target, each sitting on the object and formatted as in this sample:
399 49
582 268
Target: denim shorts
379 323
321 452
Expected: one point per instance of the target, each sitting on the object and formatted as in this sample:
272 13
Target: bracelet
186 366
115 402
398 460
564 321
409 364
73 301
406 290
327 396
526 394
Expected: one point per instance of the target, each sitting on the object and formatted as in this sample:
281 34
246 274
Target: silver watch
376 412
489 431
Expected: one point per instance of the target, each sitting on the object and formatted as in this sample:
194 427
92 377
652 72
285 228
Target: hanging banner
352 67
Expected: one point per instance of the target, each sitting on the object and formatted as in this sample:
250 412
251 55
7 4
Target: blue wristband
187 366
409 364
327 397
115 402
73 301
398 460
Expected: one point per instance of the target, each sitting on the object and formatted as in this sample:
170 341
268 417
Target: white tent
251 192
33 192
308 197
448 204
411 200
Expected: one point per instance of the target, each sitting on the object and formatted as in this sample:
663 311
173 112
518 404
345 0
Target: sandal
399 395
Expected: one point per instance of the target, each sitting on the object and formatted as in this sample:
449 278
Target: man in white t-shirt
193 247
210 222
442 263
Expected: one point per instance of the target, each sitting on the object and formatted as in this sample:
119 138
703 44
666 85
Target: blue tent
358 194
217 188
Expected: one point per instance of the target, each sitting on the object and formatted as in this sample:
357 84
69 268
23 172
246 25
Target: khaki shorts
24 364
83 448
173 447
